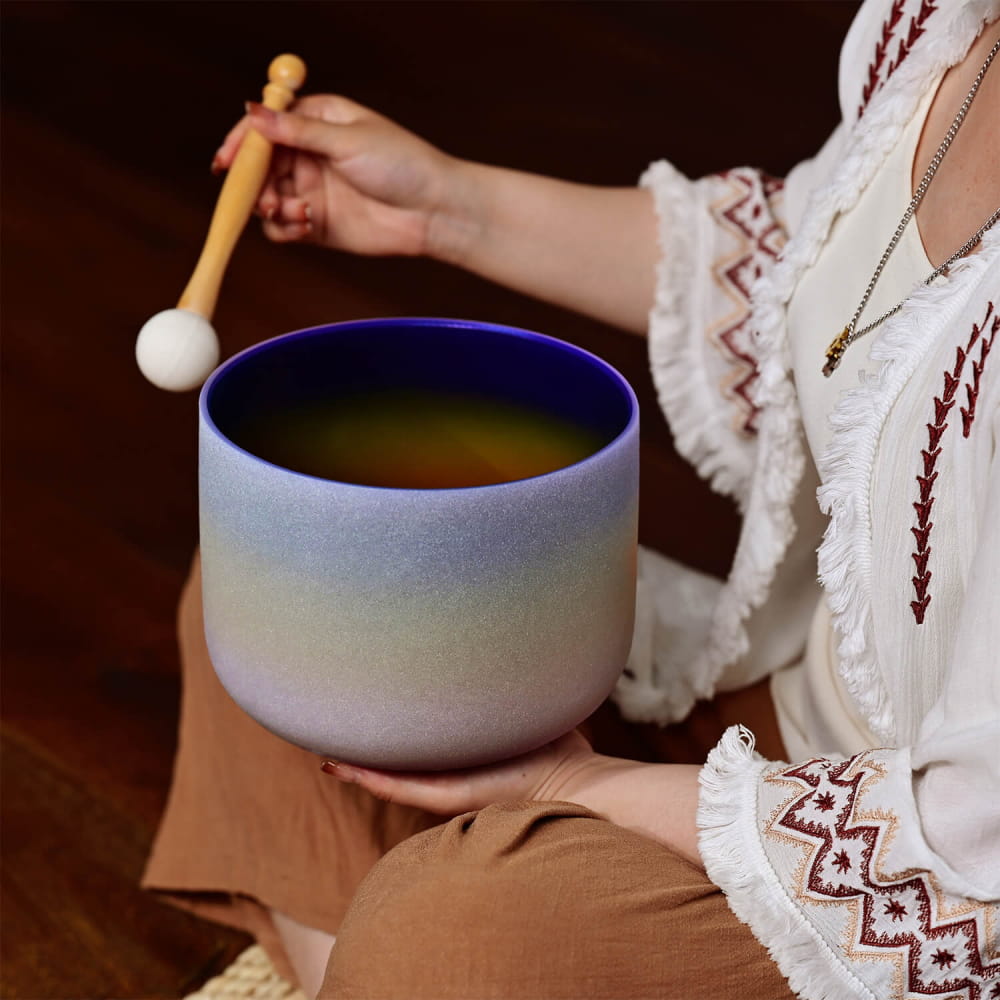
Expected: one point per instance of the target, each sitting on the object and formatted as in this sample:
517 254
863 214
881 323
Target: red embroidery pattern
747 216
925 483
941 955
972 388
876 80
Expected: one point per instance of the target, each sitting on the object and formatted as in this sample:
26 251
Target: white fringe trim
729 841
673 614
685 397
768 526
847 466
701 431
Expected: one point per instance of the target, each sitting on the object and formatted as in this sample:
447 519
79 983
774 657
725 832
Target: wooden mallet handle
239 192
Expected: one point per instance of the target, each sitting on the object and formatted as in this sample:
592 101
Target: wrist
659 801
457 223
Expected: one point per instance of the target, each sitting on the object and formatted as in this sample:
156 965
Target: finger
295 209
419 790
454 792
314 135
283 210
282 163
268 203
330 108
445 794
280 231
224 155
277 183
286 186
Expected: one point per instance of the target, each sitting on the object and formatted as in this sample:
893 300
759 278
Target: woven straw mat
250 977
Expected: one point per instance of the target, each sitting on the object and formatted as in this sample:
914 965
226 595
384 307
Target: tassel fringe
729 837
767 491
846 468
735 861
686 398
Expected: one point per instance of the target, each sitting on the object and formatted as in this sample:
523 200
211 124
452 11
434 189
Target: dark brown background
111 114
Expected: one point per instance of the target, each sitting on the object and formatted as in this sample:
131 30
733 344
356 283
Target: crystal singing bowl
418 628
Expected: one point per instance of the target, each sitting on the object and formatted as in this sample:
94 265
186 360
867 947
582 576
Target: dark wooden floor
111 114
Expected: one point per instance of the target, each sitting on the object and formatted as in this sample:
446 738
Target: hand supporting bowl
418 628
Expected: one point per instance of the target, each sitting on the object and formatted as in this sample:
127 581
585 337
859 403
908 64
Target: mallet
177 349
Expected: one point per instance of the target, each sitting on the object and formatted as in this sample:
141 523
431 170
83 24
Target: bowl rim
631 426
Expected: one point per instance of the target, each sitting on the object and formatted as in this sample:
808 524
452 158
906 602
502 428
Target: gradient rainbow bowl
419 628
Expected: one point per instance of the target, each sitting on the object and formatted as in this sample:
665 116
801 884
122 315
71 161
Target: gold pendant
836 351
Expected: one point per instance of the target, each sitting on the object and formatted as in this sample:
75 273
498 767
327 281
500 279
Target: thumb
297 131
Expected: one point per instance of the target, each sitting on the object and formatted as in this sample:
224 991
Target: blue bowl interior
438 355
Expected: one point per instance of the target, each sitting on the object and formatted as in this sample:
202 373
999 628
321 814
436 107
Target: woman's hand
549 773
345 177
659 801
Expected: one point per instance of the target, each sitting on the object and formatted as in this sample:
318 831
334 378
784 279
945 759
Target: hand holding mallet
177 349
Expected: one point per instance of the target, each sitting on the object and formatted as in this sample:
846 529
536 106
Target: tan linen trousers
520 900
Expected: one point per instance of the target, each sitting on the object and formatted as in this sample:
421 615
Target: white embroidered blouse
815 712
868 870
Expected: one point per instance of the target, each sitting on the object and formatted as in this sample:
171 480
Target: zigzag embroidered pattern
875 79
925 483
937 952
744 212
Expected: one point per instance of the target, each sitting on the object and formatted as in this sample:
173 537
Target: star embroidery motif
940 952
824 802
943 959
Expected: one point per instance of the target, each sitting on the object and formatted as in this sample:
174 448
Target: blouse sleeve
722 233
718 235
878 876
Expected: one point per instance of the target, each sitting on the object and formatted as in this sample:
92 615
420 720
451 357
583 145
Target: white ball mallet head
177 349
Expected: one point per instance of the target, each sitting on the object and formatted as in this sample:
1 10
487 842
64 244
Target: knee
497 897
456 871
541 900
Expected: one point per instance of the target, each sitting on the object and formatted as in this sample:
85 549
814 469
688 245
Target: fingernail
259 111
216 164
270 212
309 212
340 771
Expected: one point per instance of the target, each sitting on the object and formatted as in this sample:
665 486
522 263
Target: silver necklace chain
851 333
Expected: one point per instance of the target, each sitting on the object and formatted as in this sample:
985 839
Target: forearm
590 249
660 801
